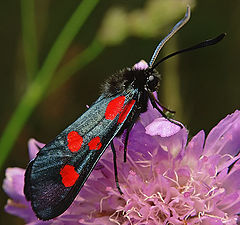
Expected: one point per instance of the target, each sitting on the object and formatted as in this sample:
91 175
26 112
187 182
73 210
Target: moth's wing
56 175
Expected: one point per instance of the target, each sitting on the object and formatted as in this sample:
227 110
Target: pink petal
224 138
33 148
172 139
13 184
147 117
195 146
162 127
232 182
212 221
22 210
141 65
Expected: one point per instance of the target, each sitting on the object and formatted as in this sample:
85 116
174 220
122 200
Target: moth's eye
152 82
151 78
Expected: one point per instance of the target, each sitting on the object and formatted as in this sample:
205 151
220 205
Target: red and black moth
57 174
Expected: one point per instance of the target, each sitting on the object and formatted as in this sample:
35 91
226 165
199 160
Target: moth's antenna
203 44
173 31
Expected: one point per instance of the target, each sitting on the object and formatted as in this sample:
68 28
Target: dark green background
209 78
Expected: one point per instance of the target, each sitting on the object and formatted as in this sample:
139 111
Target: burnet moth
57 174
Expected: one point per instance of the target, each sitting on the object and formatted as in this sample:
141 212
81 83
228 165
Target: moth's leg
153 102
129 128
115 167
126 141
165 108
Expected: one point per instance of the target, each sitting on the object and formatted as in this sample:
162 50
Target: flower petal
162 127
141 65
23 211
195 146
151 114
232 181
224 138
13 184
33 147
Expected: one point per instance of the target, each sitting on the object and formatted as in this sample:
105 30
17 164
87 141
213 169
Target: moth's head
151 76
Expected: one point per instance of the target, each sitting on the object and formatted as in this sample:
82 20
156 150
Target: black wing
56 175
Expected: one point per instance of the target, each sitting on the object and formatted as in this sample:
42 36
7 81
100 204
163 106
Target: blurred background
47 80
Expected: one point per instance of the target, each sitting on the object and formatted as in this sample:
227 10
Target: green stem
29 38
65 38
78 62
38 87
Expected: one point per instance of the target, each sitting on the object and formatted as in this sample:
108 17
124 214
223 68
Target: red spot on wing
125 111
95 144
114 107
74 141
69 175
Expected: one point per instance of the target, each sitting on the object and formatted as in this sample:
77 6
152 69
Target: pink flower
165 180
13 186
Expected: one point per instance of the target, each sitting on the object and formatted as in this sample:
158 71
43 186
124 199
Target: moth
54 178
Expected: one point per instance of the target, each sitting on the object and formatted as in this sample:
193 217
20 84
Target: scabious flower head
164 181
